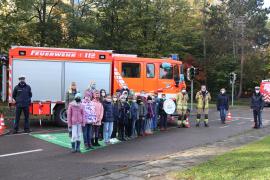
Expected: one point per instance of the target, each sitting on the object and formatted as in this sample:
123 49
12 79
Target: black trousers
121 130
19 111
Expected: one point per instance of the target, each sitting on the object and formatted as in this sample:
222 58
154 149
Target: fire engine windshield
165 71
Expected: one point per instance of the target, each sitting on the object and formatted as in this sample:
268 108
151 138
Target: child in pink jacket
76 120
99 115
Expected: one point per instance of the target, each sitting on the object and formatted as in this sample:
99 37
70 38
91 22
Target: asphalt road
49 161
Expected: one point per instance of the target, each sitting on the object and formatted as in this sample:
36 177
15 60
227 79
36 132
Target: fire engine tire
60 116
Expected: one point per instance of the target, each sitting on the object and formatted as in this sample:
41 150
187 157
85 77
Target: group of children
123 116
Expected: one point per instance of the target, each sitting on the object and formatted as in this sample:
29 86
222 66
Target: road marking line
224 126
23 152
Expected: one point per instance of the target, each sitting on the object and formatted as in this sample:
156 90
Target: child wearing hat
76 120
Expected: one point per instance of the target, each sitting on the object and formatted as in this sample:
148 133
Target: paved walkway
159 169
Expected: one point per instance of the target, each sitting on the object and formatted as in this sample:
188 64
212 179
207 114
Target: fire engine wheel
60 116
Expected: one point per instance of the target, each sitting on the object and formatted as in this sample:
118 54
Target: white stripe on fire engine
119 78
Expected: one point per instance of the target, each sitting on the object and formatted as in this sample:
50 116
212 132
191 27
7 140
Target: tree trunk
43 23
242 63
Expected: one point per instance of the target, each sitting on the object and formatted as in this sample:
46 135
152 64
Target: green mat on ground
63 139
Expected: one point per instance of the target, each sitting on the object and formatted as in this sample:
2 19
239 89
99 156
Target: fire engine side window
150 70
165 71
131 70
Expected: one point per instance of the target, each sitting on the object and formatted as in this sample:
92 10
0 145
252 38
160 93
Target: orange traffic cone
2 124
229 117
187 124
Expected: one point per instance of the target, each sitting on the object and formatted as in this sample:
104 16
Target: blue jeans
107 131
148 124
154 122
223 114
133 128
87 134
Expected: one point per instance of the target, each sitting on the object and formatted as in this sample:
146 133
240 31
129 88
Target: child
90 117
134 116
99 113
142 113
149 116
123 117
129 122
108 119
163 114
115 115
155 108
76 120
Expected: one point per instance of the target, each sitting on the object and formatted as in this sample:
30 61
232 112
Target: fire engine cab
265 91
50 71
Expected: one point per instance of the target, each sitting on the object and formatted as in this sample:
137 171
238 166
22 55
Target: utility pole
232 81
191 74
192 95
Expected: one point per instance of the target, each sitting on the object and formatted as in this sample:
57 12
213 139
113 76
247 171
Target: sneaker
27 131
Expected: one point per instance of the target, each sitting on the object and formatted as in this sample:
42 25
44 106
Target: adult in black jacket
257 105
162 113
123 117
223 105
22 95
108 119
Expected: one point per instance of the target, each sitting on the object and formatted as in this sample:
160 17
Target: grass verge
251 161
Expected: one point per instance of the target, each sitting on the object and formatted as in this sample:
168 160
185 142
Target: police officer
257 105
22 95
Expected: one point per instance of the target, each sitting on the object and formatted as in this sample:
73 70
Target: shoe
206 125
92 141
15 132
198 125
27 131
78 144
96 142
73 147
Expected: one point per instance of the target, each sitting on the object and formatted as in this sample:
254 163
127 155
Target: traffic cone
2 124
187 124
229 117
